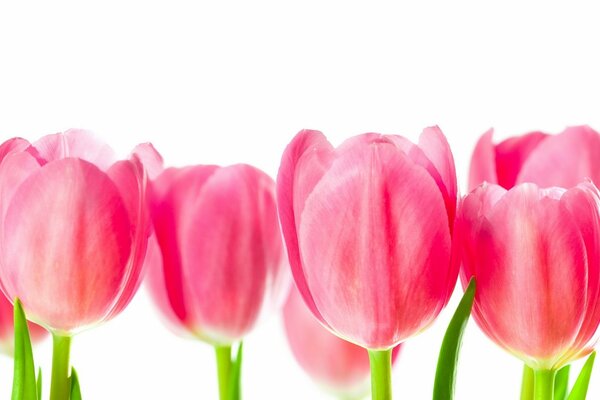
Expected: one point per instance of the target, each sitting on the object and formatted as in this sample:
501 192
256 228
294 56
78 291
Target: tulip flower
36 332
337 365
535 254
368 230
217 262
73 233
548 160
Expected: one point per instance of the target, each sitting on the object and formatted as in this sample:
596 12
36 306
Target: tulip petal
375 243
483 162
11 146
172 194
310 150
531 274
583 203
512 153
153 264
232 227
14 169
150 158
130 179
76 143
435 146
329 360
86 232
564 160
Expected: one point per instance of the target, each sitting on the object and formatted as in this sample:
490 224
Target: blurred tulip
535 254
36 332
217 261
73 229
337 365
368 230
548 160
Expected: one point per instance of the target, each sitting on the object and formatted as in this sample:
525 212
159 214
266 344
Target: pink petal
302 165
435 146
531 274
230 248
65 244
173 192
130 179
583 203
512 153
74 143
329 360
155 279
13 145
564 160
375 243
483 162
14 169
150 158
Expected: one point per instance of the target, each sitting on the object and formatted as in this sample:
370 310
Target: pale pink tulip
548 160
7 341
337 365
73 229
217 260
535 254
368 231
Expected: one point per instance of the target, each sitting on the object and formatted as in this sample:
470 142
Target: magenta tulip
73 226
548 160
535 254
73 233
219 259
337 365
368 230
216 263
36 332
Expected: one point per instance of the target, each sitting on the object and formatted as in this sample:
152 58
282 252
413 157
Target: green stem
381 374
60 387
527 383
544 384
223 354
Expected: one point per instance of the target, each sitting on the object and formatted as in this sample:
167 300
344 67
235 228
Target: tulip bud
368 231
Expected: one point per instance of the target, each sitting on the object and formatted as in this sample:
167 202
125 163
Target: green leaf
39 384
75 389
580 388
24 382
445 374
561 383
235 392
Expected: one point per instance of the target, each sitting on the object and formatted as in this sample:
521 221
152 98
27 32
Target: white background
225 82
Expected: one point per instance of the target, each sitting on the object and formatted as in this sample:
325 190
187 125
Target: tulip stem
223 354
527 383
381 374
544 384
60 387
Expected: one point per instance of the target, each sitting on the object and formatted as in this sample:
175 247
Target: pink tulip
548 160
535 254
339 366
216 263
368 231
36 332
73 229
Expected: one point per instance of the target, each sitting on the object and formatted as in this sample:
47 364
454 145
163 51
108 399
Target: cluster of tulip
376 237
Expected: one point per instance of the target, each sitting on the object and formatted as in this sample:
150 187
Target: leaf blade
445 375
24 380
580 388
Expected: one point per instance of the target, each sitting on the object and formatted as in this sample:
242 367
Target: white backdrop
225 82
